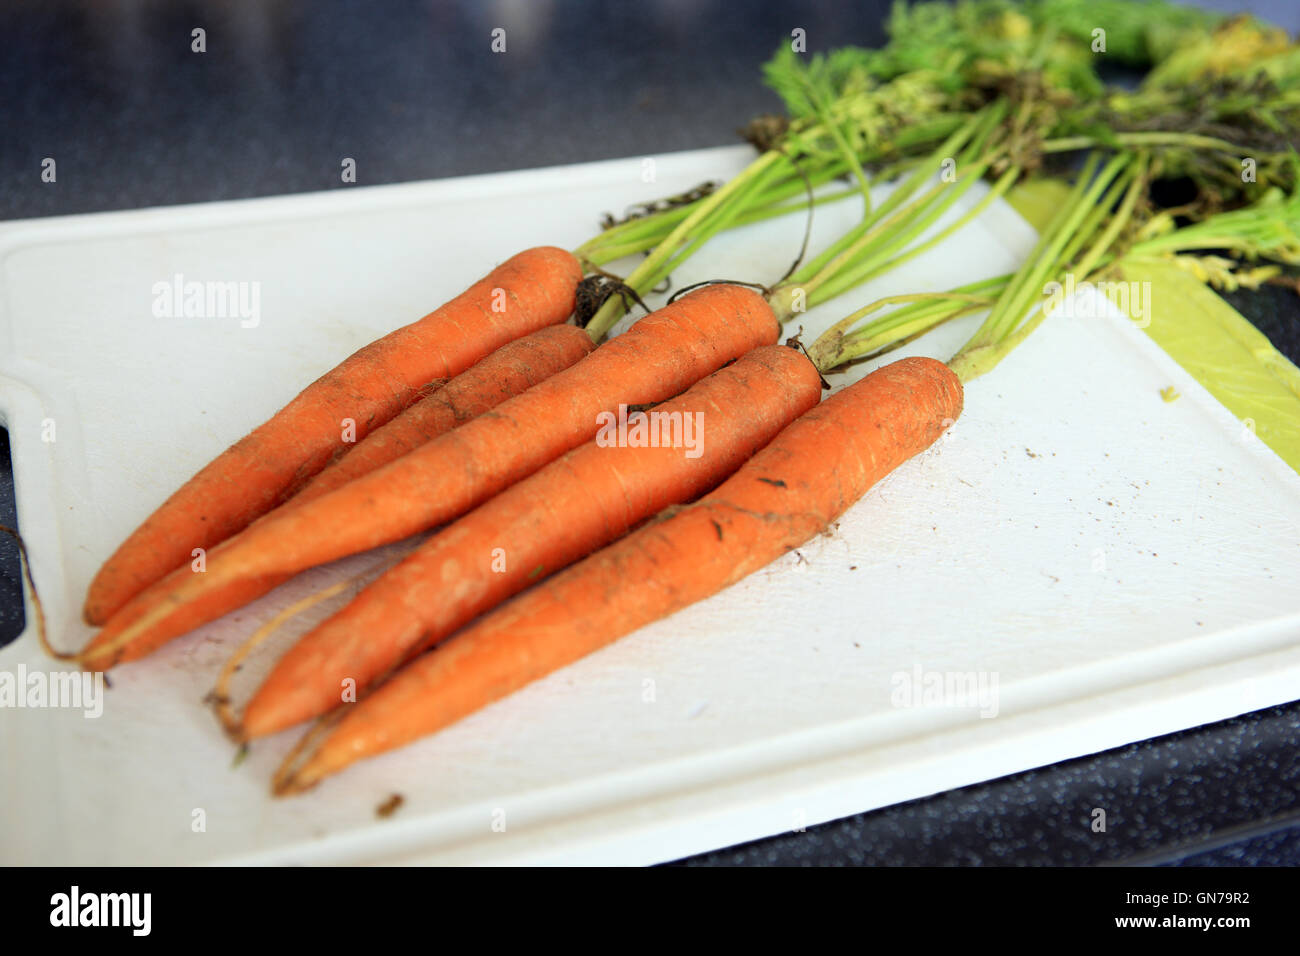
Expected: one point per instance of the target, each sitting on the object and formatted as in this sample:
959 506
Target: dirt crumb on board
390 806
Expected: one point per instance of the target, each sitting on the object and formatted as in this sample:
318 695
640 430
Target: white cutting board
1123 566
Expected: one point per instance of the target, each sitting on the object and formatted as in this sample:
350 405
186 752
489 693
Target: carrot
660 356
591 496
508 371
533 289
512 369
786 494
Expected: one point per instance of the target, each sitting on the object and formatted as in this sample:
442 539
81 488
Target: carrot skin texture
510 370
537 288
788 493
568 509
660 356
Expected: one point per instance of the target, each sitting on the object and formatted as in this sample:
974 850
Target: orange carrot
660 356
510 370
573 506
786 494
534 289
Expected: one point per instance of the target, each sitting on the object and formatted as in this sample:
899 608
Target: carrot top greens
1095 234
987 90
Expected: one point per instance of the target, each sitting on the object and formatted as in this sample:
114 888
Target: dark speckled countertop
110 88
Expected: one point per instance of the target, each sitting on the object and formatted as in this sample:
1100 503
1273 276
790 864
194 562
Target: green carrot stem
612 310
646 232
1066 144
1040 268
922 174
1093 221
986 333
999 188
852 259
1007 325
846 150
924 217
1087 263
858 348
842 342
1121 218
723 218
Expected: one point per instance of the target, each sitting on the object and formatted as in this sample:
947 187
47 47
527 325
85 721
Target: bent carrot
509 371
588 498
533 289
786 494
660 356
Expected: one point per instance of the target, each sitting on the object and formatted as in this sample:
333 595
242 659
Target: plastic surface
1120 566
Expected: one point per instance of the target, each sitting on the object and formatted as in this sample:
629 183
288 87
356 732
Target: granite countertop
134 118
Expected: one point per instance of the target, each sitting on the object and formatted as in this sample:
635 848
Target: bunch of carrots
480 419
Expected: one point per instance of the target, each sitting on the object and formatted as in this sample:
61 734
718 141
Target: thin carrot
509 371
786 494
591 496
533 289
661 356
